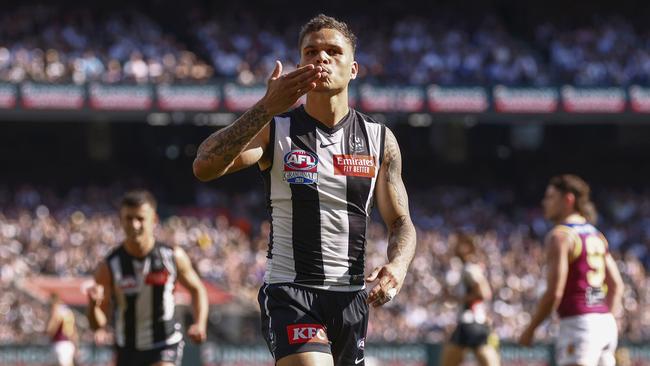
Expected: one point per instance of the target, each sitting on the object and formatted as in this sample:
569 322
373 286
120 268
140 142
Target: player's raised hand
390 279
95 294
283 91
197 333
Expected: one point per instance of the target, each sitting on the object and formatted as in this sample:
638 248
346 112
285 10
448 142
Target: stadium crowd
226 236
44 43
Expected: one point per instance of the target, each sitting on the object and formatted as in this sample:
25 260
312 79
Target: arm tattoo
401 240
222 147
393 162
402 236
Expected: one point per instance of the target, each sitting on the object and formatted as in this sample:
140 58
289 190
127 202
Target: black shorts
130 357
470 335
299 319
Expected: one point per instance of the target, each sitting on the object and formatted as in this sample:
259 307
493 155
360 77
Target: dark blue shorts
299 319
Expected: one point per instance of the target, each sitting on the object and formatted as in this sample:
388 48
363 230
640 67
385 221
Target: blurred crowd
44 43
226 236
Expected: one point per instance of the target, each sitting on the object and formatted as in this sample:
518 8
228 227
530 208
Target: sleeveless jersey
65 330
319 192
474 312
143 298
585 288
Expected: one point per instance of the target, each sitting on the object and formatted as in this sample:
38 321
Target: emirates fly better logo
355 165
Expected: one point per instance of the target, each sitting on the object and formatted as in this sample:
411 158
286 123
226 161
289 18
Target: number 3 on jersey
596 250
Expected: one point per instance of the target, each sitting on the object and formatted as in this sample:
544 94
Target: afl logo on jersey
300 167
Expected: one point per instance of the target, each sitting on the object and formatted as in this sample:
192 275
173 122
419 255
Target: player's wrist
266 108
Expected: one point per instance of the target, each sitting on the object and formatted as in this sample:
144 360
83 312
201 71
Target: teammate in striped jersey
324 165
473 294
135 286
583 285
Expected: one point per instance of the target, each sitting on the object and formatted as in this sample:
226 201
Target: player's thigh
306 359
347 326
163 363
452 354
486 355
291 322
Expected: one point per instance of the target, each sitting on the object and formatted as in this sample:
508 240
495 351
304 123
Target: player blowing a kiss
324 166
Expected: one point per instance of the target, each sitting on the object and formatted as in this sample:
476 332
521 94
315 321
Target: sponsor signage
399 355
52 96
513 355
188 97
391 99
354 165
368 98
240 98
639 99
306 333
593 100
468 100
525 100
7 96
21 355
120 97
213 354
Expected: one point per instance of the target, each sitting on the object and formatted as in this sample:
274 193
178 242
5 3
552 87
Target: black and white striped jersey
143 298
320 194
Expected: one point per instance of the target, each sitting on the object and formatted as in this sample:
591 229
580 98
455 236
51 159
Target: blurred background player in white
583 281
62 330
472 294
135 284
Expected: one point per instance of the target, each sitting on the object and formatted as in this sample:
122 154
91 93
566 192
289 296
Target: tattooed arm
244 142
392 201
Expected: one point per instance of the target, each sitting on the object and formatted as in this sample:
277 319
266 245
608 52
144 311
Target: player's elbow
555 296
616 287
202 172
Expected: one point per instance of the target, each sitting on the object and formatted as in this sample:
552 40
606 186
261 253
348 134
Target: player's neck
328 109
139 249
574 218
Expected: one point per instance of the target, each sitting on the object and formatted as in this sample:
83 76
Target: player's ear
354 71
570 199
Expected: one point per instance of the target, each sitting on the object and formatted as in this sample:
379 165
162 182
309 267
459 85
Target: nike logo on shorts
358 360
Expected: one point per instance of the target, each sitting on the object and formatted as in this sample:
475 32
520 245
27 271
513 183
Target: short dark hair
137 198
570 183
322 21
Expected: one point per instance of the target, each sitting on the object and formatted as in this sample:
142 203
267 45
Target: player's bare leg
486 355
307 359
452 355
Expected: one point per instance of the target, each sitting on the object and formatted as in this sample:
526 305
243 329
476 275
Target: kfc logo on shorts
306 333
